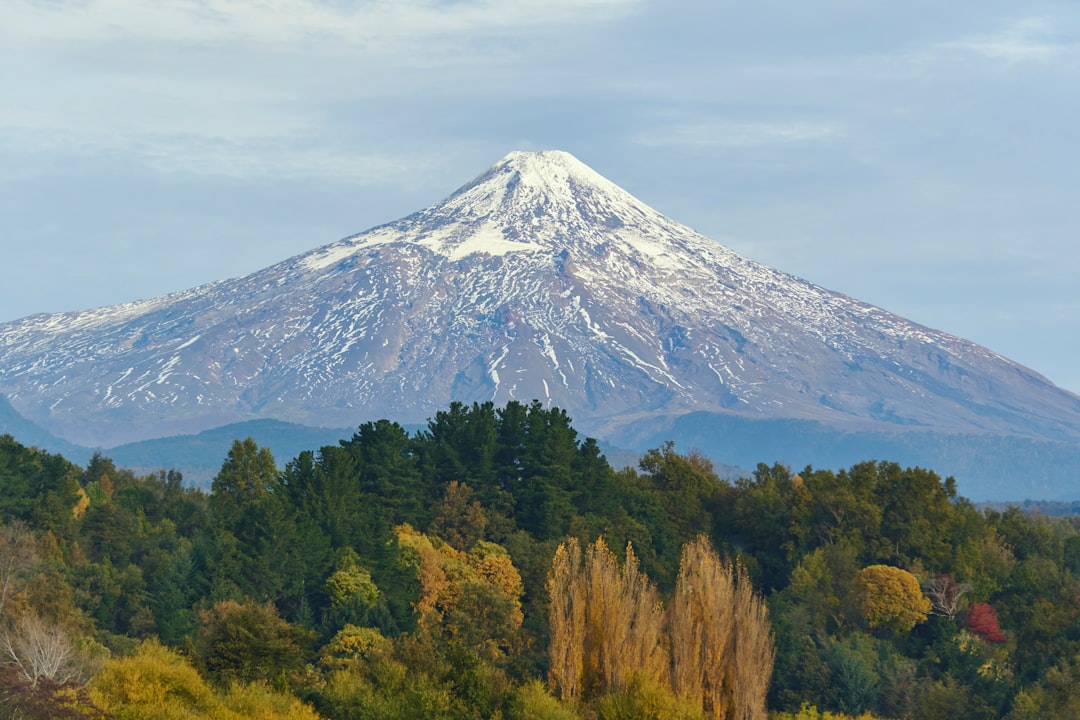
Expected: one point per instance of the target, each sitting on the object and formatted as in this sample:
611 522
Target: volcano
539 280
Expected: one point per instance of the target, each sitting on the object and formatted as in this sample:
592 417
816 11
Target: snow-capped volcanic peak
527 202
539 279
550 180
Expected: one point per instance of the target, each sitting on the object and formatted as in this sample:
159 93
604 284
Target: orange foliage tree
473 598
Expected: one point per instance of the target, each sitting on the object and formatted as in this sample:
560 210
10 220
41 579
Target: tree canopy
494 564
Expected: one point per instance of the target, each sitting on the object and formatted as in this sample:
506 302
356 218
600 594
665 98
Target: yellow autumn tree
701 621
809 712
721 644
610 633
353 643
156 683
754 652
473 598
890 598
566 617
606 622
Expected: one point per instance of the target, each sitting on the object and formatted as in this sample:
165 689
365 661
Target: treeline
495 565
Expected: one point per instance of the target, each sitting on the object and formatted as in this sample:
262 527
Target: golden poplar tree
721 644
567 620
606 622
701 624
713 645
754 652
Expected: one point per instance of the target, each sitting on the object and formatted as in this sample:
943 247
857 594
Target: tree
153 682
701 620
156 682
890 598
843 507
41 650
249 642
753 654
470 599
820 584
458 519
916 514
37 487
353 595
983 621
606 623
609 632
769 519
44 700
247 477
18 554
721 643
945 594
351 583
353 643
566 649
252 531
390 472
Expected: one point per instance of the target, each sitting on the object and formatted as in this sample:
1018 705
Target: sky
920 156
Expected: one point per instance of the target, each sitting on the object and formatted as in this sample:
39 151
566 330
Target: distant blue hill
1039 468
30 434
199 457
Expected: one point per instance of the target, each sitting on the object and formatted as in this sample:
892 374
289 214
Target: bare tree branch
945 594
38 649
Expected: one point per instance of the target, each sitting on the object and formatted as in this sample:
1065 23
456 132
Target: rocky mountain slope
541 280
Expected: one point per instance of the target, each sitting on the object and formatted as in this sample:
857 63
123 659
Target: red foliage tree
983 621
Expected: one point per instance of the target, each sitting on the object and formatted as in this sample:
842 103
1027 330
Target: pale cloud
232 87
740 135
1019 50
1027 40
297 162
373 24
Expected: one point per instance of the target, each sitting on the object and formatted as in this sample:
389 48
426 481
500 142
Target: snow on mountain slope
538 280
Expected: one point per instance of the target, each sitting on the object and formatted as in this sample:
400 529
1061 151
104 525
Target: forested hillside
494 565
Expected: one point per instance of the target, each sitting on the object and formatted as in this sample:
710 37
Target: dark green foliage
249 642
254 577
390 474
916 514
854 684
766 522
37 487
251 533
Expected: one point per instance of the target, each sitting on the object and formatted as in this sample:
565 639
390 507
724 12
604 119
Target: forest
495 565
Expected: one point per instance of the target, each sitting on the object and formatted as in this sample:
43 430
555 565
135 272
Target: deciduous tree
606 620
721 643
249 642
701 621
18 554
39 649
945 594
890 598
983 621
